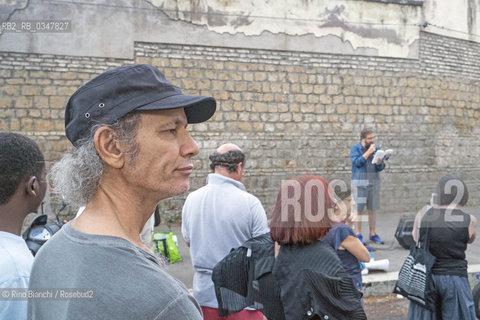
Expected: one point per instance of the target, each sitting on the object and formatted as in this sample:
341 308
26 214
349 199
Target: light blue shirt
215 219
15 266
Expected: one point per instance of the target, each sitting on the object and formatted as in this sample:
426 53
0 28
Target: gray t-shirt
128 282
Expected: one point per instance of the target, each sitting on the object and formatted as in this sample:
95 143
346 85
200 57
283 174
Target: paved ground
386 307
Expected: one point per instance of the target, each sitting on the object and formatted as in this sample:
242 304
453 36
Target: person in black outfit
312 281
450 230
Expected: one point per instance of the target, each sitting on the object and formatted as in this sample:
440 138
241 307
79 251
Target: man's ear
108 147
239 168
32 186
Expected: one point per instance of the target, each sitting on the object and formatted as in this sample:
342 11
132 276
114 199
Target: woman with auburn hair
301 212
312 281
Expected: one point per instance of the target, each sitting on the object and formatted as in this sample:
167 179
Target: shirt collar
214 178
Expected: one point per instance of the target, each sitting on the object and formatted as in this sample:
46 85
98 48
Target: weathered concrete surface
386 29
108 29
104 28
458 19
8 7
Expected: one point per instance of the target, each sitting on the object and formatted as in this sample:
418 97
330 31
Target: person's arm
259 223
353 245
472 229
185 233
415 228
356 155
417 219
277 249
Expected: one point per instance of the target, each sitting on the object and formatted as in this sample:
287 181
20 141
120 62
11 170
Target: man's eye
172 131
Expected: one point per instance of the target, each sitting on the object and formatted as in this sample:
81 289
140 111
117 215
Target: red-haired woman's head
301 213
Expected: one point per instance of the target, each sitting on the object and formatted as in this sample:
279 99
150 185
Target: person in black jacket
312 281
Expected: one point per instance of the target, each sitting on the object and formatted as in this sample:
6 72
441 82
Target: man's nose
190 147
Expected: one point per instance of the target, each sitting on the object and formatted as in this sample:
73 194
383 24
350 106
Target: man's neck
232 175
11 227
114 212
11 218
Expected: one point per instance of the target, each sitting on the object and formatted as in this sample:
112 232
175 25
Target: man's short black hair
365 132
228 160
20 158
452 190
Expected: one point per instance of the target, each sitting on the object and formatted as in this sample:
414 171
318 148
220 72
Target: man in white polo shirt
216 218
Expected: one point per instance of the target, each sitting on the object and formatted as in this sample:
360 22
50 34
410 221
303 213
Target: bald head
228 161
228 147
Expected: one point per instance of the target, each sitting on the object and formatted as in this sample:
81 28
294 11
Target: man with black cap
129 127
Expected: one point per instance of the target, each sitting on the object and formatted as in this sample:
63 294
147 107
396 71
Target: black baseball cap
117 92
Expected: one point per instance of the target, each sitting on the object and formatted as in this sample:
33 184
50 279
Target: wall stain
338 10
241 21
225 3
216 18
333 21
219 14
471 17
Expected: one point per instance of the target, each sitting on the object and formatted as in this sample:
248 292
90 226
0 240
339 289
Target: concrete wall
359 27
458 19
102 28
293 113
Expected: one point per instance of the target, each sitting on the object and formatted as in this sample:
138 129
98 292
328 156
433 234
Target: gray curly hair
77 175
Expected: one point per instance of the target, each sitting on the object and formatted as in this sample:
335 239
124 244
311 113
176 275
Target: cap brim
197 108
